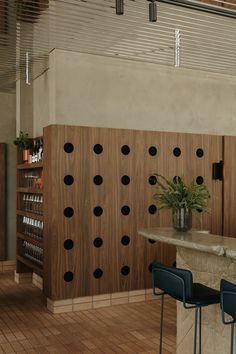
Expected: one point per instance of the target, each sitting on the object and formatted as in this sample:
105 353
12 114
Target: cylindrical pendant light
27 78
120 7
153 11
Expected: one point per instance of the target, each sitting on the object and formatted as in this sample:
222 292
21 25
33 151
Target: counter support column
208 269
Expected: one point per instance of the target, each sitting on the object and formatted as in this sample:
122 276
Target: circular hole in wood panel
152 151
68 148
199 180
68 244
97 180
98 242
125 240
150 267
68 276
125 210
152 209
176 179
199 152
98 273
98 211
125 270
98 149
125 180
151 241
125 149
68 212
199 210
152 180
177 151
68 180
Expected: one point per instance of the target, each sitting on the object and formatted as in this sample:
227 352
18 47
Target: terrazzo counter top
195 240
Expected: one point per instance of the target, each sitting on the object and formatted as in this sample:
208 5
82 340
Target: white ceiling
208 41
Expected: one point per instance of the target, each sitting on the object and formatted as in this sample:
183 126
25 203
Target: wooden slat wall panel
2 201
213 152
190 166
132 195
58 228
229 186
93 196
83 196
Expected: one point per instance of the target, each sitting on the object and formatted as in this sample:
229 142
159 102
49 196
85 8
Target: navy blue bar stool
178 283
228 305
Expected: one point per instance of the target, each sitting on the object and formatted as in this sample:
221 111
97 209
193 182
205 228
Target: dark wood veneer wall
98 189
2 201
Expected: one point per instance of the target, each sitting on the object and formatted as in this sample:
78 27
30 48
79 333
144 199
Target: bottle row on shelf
37 153
33 252
32 228
32 179
33 203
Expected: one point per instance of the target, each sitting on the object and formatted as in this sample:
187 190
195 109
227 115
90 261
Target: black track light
152 11
120 7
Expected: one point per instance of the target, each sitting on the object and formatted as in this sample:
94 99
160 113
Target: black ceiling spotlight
152 11
120 7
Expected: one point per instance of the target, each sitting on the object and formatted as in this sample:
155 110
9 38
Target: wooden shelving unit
30 264
29 190
29 166
38 243
30 214
90 245
29 248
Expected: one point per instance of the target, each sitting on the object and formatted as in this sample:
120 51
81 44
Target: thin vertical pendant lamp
152 11
27 79
120 7
177 47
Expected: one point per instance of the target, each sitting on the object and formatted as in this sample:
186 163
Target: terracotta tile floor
27 327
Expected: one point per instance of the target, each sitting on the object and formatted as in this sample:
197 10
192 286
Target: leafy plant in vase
182 198
23 143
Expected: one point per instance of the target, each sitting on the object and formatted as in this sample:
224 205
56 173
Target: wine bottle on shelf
24 201
41 205
37 150
33 252
34 152
40 152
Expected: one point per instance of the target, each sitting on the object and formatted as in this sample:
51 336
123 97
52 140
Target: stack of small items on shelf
30 208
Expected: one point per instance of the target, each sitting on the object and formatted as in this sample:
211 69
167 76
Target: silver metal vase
182 219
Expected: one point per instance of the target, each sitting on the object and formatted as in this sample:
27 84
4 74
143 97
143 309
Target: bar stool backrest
228 298
174 281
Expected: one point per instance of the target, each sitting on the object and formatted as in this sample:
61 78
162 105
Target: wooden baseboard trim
98 301
29 278
7 266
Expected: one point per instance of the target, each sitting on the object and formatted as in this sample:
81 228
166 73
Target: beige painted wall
26 107
7 135
107 92
41 103
44 97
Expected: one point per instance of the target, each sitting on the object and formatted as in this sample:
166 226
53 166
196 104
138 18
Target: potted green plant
23 143
182 198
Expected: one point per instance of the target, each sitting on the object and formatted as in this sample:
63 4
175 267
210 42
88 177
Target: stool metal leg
195 331
232 339
161 322
200 330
